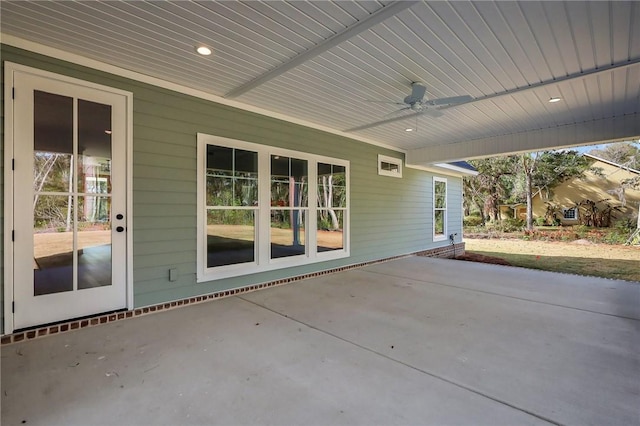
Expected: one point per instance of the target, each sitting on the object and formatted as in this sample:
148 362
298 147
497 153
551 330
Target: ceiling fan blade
451 100
417 93
386 102
397 111
432 113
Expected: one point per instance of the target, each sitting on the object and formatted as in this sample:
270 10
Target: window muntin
439 208
258 212
231 204
570 214
232 177
289 206
332 205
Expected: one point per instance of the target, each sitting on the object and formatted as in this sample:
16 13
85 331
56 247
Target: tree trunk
480 206
529 195
70 205
334 220
42 176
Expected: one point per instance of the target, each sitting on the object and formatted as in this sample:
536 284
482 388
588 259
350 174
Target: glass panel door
72 189
69 188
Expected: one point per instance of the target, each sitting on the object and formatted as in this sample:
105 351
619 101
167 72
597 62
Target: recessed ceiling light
408 129
203 50
554 100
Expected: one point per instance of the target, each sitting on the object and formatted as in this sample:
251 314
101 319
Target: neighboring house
517 210
179 196
601 186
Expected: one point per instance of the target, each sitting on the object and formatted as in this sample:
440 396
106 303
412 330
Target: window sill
241 269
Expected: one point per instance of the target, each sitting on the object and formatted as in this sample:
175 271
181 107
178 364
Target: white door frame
10 70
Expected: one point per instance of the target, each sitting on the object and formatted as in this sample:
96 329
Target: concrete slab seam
428 373
510 297
104 318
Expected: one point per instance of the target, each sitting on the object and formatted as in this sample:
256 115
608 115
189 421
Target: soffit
510 56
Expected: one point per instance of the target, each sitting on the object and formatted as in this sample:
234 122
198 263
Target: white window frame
262 261
389 160
575 214
442 237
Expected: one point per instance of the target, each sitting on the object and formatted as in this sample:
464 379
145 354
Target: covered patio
410 341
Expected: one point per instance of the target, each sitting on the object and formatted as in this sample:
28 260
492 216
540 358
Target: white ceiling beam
576 76
603 130
361 26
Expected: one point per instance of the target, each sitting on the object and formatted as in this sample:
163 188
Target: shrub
541 221
511 225
624 225
472 221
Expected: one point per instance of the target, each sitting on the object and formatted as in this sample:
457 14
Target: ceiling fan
416 103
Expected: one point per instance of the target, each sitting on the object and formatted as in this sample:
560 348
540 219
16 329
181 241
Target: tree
543 171
516 178
492 185
626 154
474 194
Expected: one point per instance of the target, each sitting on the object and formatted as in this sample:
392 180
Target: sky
587 148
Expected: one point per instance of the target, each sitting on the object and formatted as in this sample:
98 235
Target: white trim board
263 261
10 69
143 78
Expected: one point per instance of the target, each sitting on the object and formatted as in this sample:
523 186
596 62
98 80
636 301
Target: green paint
389 216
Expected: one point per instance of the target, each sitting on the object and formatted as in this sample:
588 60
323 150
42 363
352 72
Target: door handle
120 229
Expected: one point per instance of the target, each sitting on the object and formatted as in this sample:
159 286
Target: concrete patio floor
414 341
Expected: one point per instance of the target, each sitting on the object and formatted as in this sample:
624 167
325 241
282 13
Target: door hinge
13 235
13 93
13 164
13 307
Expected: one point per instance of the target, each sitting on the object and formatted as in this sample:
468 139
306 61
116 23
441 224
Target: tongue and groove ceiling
322 62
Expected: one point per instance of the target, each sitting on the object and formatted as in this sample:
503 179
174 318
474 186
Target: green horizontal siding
2 200
389 216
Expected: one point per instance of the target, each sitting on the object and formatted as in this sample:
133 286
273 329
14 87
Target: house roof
347 66
463 165
612 163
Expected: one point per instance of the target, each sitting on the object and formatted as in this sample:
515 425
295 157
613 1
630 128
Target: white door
69 200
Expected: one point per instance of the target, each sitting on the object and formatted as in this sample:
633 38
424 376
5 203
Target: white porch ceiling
322 61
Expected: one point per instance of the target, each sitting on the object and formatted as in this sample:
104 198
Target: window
570 214
289 206
332 206
231 205
389 166
257 210
439 209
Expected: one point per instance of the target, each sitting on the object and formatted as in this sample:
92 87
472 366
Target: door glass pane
230 237
287 233
53 142
94 241
94 147
52 244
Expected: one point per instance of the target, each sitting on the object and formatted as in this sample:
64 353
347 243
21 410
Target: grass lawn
578 257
